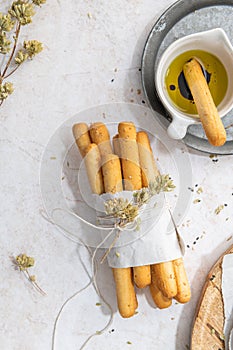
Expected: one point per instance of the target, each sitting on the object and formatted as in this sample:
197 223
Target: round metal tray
183 18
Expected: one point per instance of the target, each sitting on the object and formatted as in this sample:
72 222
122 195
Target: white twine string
93 280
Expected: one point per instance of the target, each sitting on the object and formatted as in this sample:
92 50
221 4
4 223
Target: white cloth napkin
155 241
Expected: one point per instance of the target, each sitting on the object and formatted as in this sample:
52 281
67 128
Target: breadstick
100 135
206 108
126 297
132 181
93 168
164 275
129 156
159 299
142 276
82 137
147 162
116 145
111 169
183 288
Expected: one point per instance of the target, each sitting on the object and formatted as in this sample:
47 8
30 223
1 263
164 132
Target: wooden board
207 333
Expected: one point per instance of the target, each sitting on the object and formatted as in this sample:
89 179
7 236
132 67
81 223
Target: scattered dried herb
23 263
219 209
196 201
200 190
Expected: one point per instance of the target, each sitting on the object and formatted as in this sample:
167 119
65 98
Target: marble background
92 56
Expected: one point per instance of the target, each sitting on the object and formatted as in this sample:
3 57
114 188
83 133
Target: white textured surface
82 55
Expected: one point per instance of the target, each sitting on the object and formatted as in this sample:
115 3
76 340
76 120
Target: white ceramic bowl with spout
214 41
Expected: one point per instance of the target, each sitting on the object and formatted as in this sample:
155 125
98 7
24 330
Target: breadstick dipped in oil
158 297
206 108
171 276
82 137
100 135
132 181
126 297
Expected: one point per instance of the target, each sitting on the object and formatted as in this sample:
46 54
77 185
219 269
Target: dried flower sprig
23 11
23 263
19 14
121 209
162 183
126 211
6 23
6 90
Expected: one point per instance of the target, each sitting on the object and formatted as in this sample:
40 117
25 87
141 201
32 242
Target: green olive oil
214 69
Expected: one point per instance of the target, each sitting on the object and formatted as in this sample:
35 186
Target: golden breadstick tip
129 156
126 297
100 135
165 278
146 158
111 169
82 137
142 276
127 130
93 168
183 287
206 108
159 299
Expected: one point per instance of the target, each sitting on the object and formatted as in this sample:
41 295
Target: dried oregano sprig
19 14
121 209
126 211
23 263
162 183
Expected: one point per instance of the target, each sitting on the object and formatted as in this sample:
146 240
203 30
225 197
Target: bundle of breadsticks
128 164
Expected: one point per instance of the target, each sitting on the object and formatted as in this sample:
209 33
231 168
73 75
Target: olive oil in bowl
177 87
